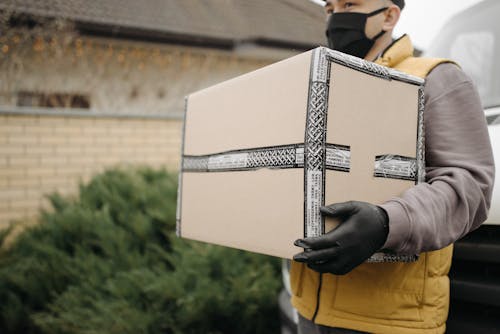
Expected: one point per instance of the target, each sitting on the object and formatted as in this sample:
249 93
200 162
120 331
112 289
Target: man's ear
328 7
391 17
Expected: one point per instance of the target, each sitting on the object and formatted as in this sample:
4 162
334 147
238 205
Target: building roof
286 23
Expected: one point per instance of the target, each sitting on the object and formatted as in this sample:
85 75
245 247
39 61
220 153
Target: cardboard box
263 151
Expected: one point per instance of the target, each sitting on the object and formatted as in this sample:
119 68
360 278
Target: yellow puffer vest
406 298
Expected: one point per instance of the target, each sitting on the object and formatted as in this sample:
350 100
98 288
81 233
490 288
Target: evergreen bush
108 261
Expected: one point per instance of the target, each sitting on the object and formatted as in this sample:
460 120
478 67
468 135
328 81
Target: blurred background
89 84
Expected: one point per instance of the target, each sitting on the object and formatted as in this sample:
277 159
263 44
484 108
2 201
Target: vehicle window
474 51
472 39
493 119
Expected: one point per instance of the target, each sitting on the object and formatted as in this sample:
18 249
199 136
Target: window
474 51
53 100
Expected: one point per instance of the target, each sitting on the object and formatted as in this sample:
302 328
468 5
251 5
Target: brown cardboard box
263 151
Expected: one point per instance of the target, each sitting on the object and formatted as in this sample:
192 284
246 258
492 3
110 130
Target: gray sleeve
460 170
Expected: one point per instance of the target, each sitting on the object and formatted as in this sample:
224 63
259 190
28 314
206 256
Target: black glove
362 232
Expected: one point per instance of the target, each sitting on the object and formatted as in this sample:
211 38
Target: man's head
362 27
399 3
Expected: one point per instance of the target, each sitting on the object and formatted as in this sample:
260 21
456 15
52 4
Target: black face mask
346 33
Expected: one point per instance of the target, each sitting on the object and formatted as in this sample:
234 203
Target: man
333 289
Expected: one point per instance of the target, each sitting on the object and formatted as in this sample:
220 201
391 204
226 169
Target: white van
472 39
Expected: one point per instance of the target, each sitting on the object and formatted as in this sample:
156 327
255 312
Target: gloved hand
362 232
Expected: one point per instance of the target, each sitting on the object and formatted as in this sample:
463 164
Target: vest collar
399 50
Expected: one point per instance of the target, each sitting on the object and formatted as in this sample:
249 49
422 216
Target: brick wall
120 77
42 154
125 80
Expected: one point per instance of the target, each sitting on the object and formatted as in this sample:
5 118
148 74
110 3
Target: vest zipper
318 293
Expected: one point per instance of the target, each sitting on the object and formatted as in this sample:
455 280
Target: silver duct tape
314 200
337 158
387 257
228 161
421 137
315 143
396 167
371 68
359 64
299 156
320 66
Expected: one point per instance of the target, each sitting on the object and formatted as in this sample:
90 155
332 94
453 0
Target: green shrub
108 262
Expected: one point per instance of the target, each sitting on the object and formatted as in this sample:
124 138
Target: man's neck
380 45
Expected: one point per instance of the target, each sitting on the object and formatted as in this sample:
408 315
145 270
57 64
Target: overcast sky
422 19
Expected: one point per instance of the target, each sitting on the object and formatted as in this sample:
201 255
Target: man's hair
399 3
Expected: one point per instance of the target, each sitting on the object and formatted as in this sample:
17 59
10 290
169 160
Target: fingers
324 241
339 210
331 267
322 255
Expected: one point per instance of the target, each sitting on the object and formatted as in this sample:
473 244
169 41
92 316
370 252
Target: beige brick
53 181
81 160
106 122
69 170
79 140
95 149
6 173
136 158
148 149
53 139
20 120
23 182
40 149
52 121
81 121
23 161
53 161
41 171
157 140
94 130
108 160
108 139
68 130
24 204
167 134
11 129
12 194
34 193
38 129
120 130
23 139
120 149
68 150
133 140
